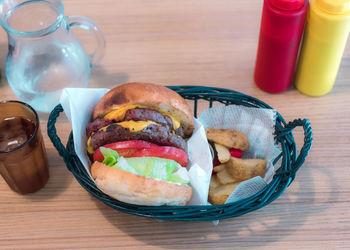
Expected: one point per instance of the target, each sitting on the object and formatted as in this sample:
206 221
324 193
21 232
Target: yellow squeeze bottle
326 33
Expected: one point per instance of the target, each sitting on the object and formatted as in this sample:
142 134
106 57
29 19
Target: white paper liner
78 104
258 124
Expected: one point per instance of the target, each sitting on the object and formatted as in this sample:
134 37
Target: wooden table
203 42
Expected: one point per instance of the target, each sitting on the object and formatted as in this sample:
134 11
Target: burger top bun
136 189
153 96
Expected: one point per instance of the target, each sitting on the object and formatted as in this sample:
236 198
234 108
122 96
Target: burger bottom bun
139 190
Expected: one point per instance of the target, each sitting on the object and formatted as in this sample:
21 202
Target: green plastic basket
290 163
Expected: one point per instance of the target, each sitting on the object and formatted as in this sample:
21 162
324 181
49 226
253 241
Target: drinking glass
23 160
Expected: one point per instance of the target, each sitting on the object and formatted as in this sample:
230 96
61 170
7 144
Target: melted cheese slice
121 113
133 126
89 148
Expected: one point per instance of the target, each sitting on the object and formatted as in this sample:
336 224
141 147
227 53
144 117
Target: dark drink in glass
23 160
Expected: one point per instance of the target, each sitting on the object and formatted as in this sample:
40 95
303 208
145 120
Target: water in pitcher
39 67
38 78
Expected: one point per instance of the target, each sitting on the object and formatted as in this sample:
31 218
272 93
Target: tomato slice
124 148
166 152
138 148
235 152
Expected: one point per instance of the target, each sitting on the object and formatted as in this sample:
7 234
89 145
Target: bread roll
139 190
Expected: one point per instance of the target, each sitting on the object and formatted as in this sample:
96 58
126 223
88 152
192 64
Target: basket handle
304 151
52 133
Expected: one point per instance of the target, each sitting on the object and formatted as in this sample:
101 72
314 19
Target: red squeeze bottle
281 29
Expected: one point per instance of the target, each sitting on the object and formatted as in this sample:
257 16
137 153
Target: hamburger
136 140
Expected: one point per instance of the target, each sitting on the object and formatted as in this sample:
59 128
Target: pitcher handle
89 25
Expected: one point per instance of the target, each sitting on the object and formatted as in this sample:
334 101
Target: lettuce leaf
159 168
154 167
111 157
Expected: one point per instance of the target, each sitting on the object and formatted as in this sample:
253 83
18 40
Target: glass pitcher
44 55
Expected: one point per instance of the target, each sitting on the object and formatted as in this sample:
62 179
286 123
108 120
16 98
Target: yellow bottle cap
334 6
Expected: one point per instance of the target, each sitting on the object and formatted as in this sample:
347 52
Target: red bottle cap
288 5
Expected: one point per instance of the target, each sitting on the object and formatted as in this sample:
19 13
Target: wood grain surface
199 42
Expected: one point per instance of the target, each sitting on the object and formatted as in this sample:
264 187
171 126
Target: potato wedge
224 177
229 138
244 169
223 153
220 194
214 182
219 168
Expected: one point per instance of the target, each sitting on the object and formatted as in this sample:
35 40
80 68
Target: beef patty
155 133
96 125
137 114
